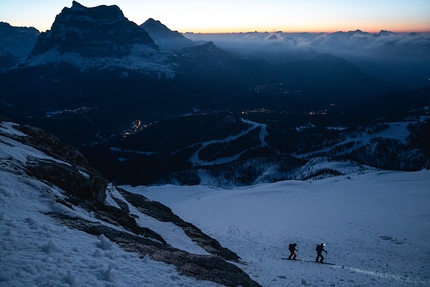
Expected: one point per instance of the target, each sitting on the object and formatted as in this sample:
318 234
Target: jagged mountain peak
76 5
165 38
154 24
100 31
384 33
106 12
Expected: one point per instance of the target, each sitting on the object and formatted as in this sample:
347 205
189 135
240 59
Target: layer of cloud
395 56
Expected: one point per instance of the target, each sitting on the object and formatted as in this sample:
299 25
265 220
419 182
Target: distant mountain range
157 106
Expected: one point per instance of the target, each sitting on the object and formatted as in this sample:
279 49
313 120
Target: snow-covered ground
376 227
35 250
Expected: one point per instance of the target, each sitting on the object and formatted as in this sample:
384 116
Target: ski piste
304 260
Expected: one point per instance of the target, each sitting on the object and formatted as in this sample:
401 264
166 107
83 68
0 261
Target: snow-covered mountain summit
97 37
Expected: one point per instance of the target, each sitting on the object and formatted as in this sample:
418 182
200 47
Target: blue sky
242 16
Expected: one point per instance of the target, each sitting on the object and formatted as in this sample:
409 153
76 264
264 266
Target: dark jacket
320 248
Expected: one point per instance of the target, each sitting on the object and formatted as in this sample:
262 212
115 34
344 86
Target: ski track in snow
396 130
196 161
376 227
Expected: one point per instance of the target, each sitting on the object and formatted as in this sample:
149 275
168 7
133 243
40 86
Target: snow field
376 227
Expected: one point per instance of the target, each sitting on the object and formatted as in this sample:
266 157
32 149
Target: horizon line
306 31
287 31
269 31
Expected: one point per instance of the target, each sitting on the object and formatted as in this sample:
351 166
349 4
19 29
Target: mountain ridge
165 38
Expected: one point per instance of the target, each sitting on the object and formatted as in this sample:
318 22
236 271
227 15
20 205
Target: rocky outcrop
69 171
101 31
202 267
63 167
165 214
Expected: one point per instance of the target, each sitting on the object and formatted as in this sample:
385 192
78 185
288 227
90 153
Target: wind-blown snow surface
376 227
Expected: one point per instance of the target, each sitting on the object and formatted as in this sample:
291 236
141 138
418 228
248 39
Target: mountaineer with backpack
319 249
292 248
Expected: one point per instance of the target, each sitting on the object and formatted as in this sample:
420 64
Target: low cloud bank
399 57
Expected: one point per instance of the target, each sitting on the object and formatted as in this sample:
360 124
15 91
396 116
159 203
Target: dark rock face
165 38
7 60
65 168
101 31
70 172
17 40
51 145
165 214
202 267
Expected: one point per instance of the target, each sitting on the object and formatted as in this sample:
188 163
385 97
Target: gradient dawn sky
215 16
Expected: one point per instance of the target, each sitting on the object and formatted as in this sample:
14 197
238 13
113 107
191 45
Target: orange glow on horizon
370 30
369 27
305 29
234 17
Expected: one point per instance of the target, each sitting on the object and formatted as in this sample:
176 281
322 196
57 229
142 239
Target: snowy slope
37 250
376 227
142 58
